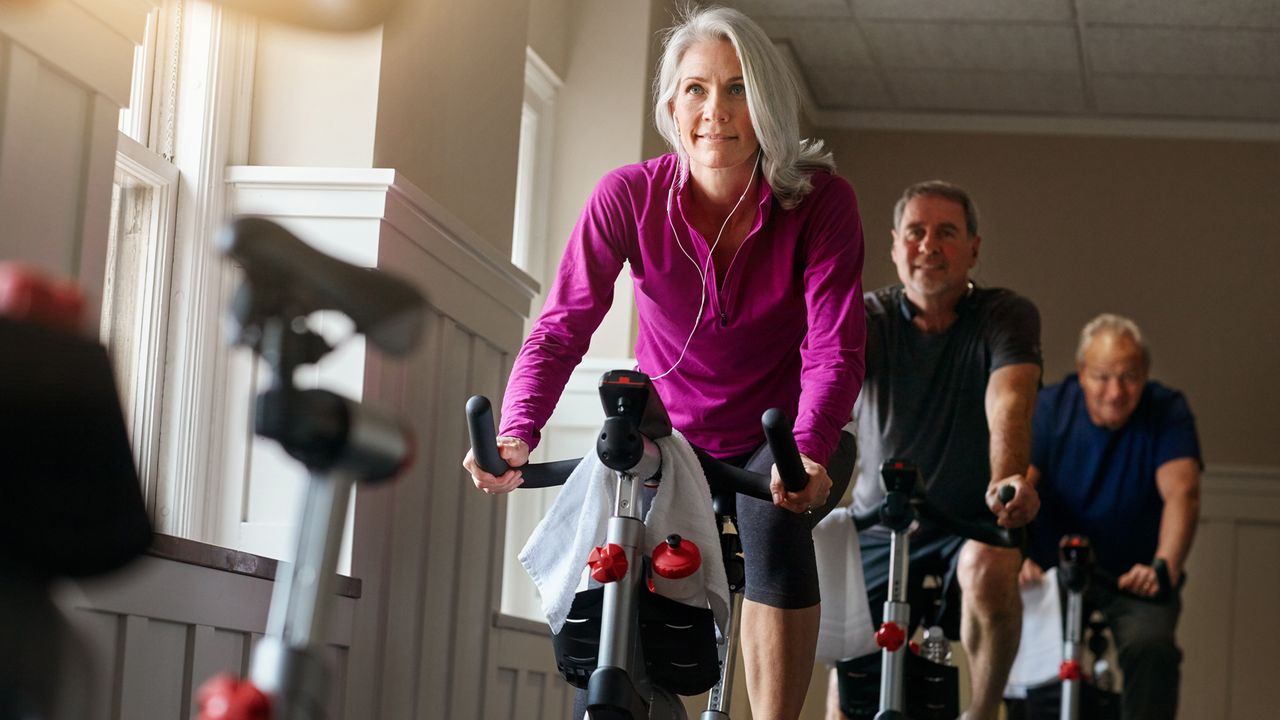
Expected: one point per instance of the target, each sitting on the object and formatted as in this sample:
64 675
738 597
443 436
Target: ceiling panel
848 89
1207 98
987 92
1163 51
822 43
1036 48
1211 13
757 9
1161 63
1004 10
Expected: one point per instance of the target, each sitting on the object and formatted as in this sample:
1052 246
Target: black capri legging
777 544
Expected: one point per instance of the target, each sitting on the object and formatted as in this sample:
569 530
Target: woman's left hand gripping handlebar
512 450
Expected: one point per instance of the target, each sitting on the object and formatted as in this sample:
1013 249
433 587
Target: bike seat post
901 482
626 530
727 644
1075 564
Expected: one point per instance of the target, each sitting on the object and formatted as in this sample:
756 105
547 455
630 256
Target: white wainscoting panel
64 74
1229 624
157 630
428 547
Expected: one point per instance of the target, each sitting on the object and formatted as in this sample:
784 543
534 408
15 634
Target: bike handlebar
484 447
721 476
981 531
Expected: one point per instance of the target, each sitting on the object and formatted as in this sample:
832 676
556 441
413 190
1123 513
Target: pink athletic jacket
784 328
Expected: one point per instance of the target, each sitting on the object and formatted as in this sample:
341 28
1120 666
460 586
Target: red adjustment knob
891 636
914 647
676 558
608 564
1069 670
226 697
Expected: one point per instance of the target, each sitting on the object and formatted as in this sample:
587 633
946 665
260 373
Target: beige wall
601 113
1179 234
315 97
551 24
449 105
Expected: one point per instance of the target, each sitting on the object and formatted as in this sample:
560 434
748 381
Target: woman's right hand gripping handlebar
513 453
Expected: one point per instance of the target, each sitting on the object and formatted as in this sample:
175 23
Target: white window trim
148 330
537 153
209 121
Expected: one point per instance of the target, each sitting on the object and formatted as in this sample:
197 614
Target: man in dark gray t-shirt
951 380
924 397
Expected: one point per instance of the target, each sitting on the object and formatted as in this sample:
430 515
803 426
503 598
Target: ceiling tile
1189 98
821 43
987 92
1162 51
1219 13
836 89
1035 48
756 9
1006 10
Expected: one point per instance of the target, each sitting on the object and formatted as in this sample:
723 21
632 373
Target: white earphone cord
704 269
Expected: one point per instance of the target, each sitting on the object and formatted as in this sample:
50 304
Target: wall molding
1240 493
1043 125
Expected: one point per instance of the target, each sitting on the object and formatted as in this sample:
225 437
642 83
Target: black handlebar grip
777 431
484 441
1006 493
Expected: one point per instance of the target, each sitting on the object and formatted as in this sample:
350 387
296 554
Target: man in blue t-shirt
1116 458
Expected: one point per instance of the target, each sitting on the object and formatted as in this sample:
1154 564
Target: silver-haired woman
746 256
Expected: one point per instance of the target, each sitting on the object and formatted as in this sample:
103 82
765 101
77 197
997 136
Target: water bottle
936 647
1104 678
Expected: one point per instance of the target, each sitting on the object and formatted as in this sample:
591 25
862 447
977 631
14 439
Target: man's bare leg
777 654
991 622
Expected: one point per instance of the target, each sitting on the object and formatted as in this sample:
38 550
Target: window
164 289
135 293
528 252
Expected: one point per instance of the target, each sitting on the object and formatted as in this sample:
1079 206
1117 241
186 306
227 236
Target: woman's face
710 107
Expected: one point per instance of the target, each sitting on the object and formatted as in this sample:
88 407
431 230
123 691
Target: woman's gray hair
1117 325
773 98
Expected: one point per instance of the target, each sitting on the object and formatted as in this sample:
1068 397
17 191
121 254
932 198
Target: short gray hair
1117 325
943 189
773 98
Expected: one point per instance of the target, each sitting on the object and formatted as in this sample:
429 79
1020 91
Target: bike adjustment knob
608 563
891 636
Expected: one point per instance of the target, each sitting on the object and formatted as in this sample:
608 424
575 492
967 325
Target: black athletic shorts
777 544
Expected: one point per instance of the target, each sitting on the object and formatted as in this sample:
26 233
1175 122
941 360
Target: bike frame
619 688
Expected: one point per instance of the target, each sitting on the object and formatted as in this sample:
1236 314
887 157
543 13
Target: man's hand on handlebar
813 496
1141 580
515 452
1021 509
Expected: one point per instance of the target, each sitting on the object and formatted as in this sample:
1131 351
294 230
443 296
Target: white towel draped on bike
1040 646
845 630
556 554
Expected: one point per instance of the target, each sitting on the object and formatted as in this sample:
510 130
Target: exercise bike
339 441
631 650
1081 694
936 695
